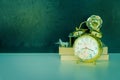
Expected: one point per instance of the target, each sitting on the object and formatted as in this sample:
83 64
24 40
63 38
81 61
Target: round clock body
88 48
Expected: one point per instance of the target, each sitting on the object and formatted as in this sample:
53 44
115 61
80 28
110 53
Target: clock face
87 47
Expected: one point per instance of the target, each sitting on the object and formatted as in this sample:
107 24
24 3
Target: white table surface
47 66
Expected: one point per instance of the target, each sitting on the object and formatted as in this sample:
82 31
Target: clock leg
94 62
77 61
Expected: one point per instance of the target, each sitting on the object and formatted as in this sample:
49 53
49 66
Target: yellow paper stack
67 53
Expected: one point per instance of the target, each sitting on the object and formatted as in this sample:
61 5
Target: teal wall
35 25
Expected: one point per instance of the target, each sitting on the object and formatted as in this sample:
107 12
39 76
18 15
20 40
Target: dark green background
35 25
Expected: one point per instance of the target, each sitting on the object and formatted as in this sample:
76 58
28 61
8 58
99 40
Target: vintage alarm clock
88 47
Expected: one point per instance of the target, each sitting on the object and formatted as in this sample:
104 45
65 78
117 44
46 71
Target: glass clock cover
87 48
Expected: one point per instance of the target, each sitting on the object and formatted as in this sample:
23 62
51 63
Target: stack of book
67 53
